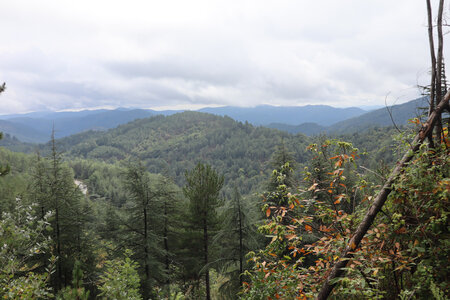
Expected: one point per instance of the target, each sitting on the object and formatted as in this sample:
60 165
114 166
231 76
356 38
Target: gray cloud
188 54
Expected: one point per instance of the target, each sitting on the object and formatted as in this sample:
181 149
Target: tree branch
354 242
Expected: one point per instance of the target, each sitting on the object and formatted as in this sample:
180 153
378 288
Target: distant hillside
38 129
309 120
175 143
23 132
291 115
305 128
37 126
400 114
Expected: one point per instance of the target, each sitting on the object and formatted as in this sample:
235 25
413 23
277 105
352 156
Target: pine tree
238 236
143 224
202 189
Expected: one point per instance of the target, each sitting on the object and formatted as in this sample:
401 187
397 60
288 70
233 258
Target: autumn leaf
268 212
313 187
308 228
291 236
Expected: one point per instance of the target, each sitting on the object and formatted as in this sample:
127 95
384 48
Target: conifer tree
143 224
202 188
238 236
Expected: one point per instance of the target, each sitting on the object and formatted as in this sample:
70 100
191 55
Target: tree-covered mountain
37 126
309 128
387 116
382 117
22 132
174 144
38 129
291 115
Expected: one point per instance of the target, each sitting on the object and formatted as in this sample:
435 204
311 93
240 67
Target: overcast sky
60 55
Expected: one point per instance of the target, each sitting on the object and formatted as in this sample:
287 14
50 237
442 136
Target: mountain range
37 127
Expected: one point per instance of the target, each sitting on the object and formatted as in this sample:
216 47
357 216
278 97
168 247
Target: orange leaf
290 236
268 212
313 187
308 228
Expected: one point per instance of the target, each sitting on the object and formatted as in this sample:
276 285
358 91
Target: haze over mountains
36 127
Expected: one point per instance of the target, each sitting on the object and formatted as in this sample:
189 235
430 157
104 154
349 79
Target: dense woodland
197 206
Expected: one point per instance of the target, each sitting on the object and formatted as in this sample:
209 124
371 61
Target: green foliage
3 169
176 143
309 230
203 185
143 223
237 236
120 280
76 291
24 240
202 188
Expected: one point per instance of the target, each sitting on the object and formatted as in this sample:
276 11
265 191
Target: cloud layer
189 54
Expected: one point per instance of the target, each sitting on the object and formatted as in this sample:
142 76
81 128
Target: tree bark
205 240
379 201
241 248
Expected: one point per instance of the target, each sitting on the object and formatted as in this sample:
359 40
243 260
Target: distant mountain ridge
291 115
386 116
36 127
30 128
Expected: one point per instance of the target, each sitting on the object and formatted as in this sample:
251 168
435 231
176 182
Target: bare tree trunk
241 248
205 241
378 203
433 58
146 252
439 69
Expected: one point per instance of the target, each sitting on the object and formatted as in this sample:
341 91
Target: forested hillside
173 144
193 205
395 115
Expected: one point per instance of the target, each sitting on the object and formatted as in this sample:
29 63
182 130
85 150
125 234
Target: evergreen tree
120 279
279 159
237 237
76 291
53 189
203 185
144 223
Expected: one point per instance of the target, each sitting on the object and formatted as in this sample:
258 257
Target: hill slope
377 118
38 127
290 115
400 115
174 144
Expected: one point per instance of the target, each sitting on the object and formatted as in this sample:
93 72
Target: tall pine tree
203 185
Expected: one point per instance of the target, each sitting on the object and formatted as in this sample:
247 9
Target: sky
73 55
